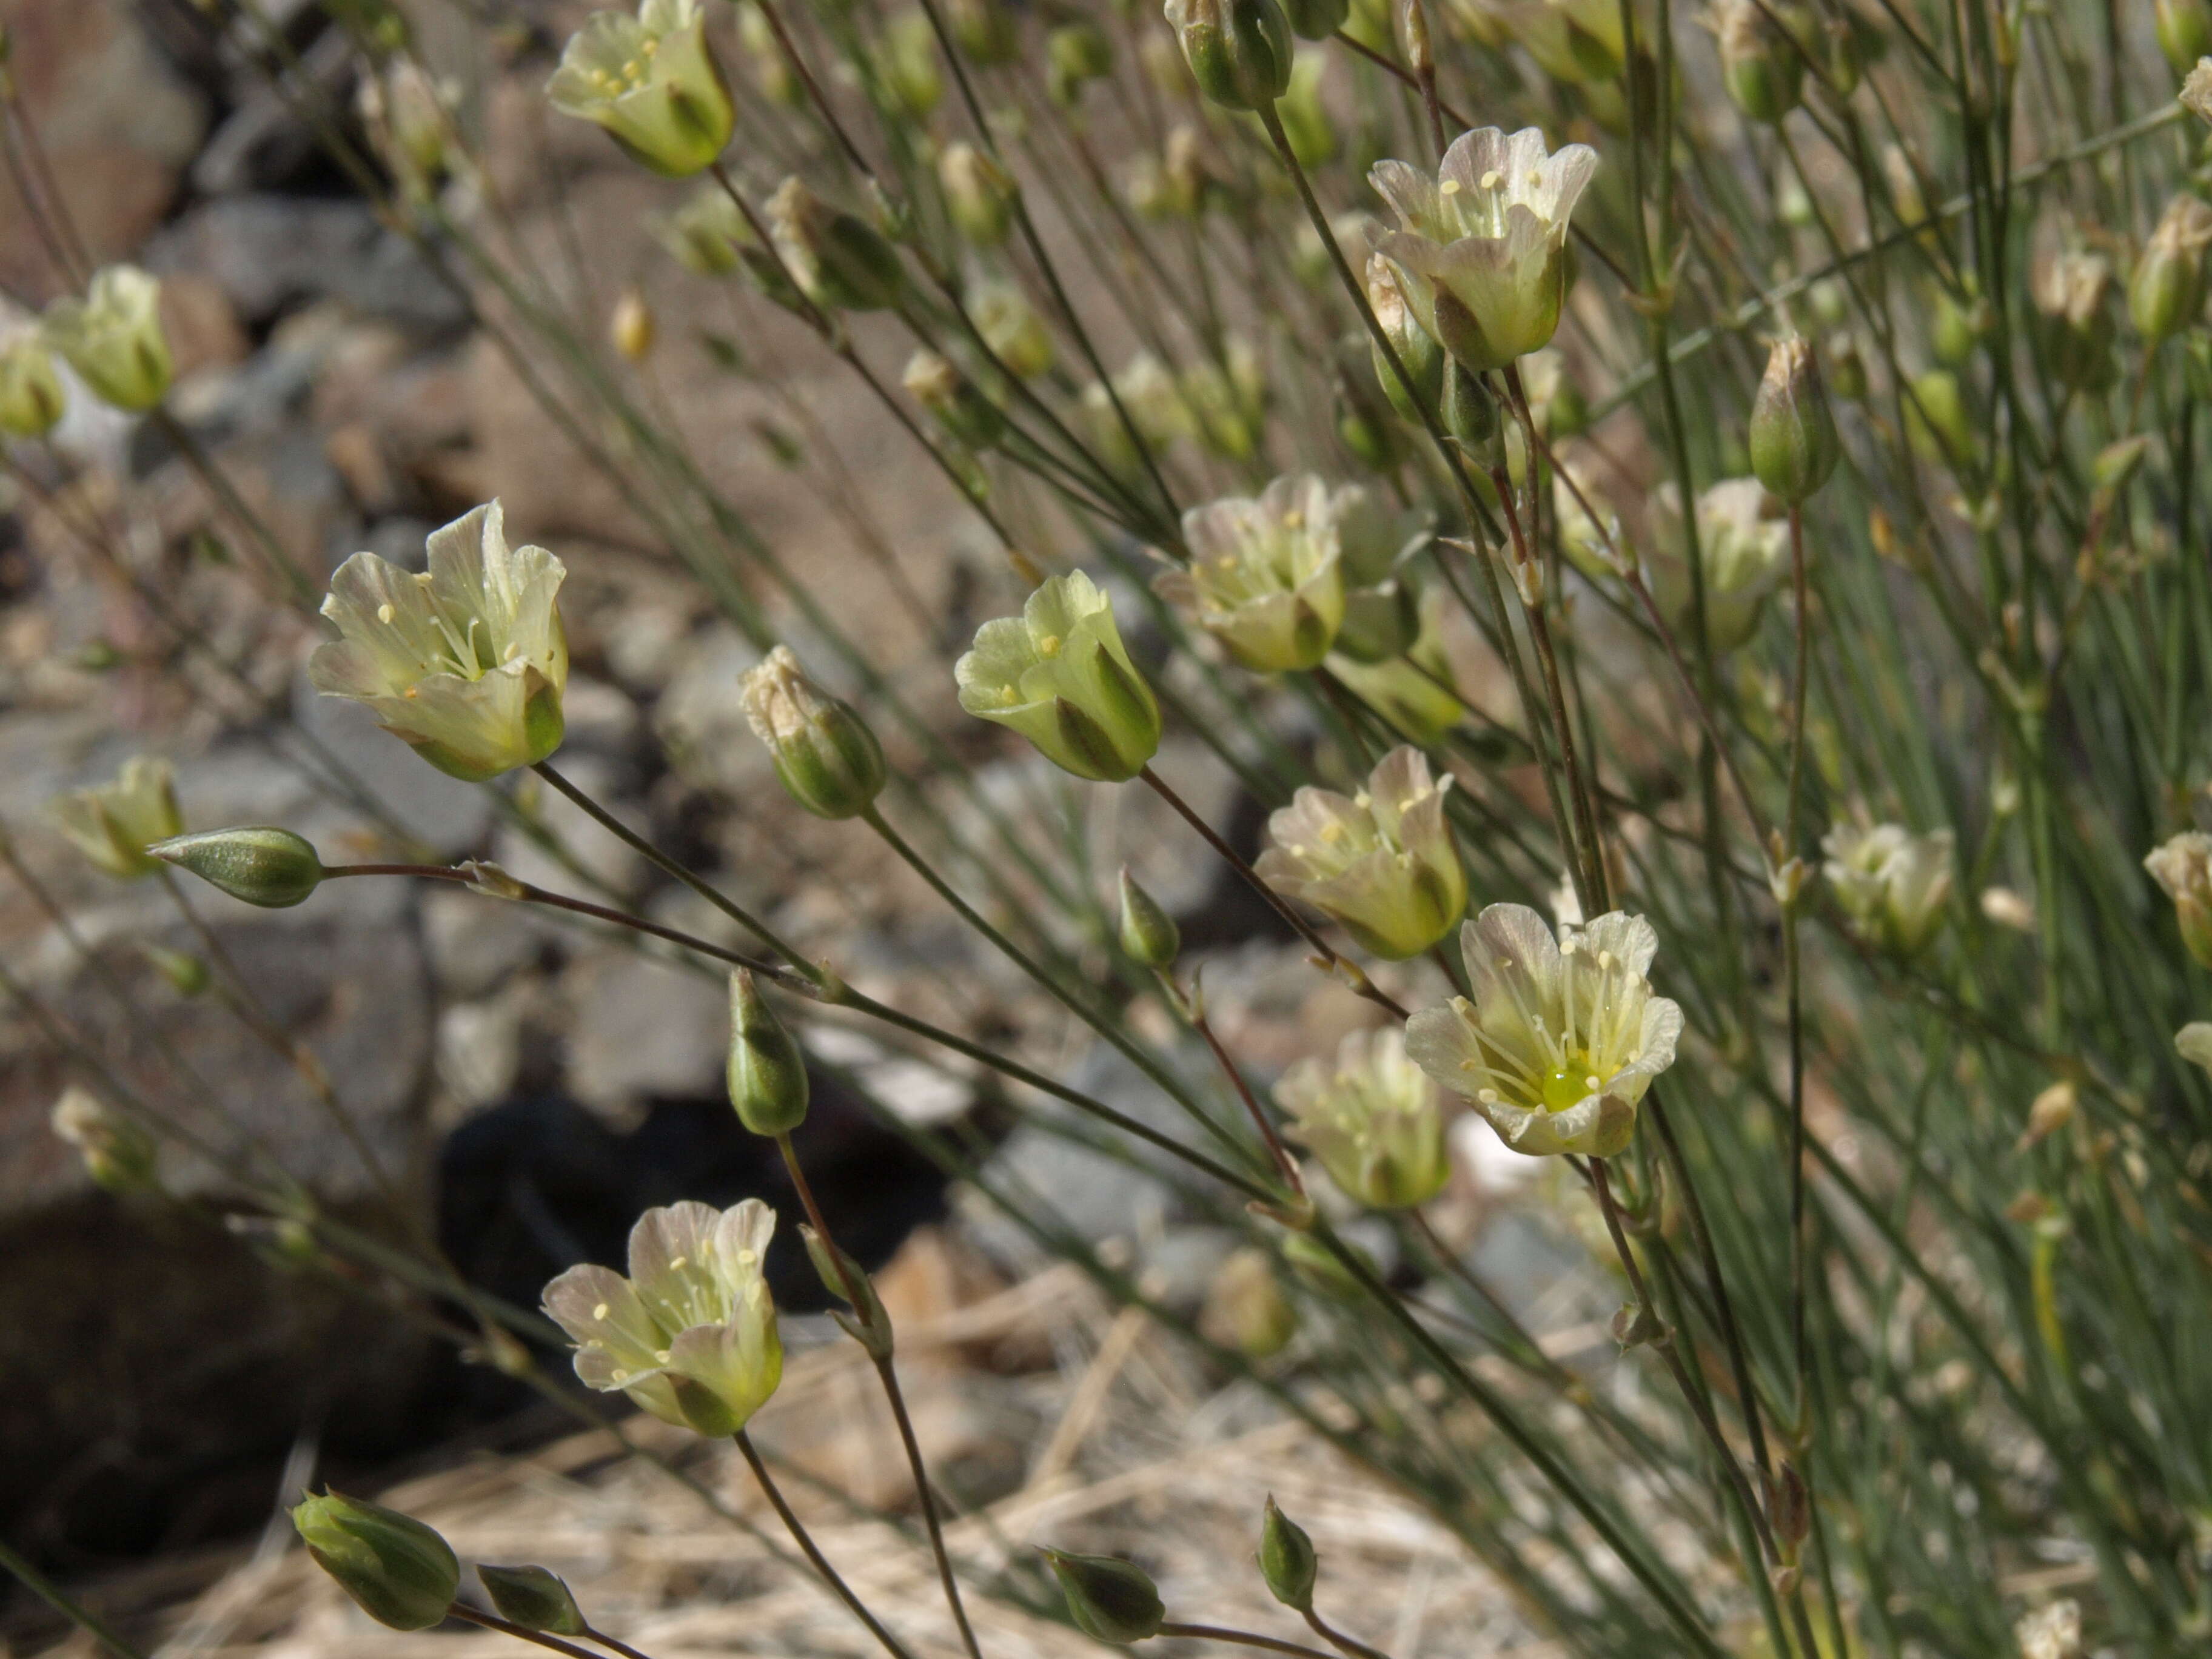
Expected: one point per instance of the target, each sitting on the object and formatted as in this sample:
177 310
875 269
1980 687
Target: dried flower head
1373 1119
1484 242
467 660
1266 574
691 1335
650 79
113 338
2196 90
1891 882
1059 675
1562 1036
1380 863
112 824
824 752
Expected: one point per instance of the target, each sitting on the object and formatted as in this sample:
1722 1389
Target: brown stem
469 1615
812 1552
1336 1639
1242 1637
1195 1008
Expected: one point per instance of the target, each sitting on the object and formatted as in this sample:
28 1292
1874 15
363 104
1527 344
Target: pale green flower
1563 1035
691 1335
2182 867
1154 402
1891 882
31 402
1265 575
467 661
1483 243
1380 863
1381 614
2193 1042
1059 675
118 1154
1373 1119
113 824
113 338
707 235
650 81
1574 41
1412 690
1743 535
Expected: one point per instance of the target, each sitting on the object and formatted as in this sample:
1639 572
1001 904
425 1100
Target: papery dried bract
1563 1035
466 661
1380 864
691 1335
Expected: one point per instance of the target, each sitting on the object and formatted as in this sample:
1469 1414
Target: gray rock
445 814
639 1028
475 943
270 253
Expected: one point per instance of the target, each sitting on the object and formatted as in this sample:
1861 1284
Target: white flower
1373 1120
1563 1036
1059 675
1380 863
114 823
691 1335
1891 883
1485 243
113 338
467 660
1743 536
1266 576
652 82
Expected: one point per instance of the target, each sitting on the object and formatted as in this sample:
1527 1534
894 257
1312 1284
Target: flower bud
2166 291
532 1597
1417 350
1112 1600
260 864
766 1072
1286 1558
937 384
2184 28
118 1154
187 974
631 329
868 1324
2182 867
824 754
1793 434
31 402
840 261
2196 90
985 30
1762 68
400 1571
1011 328
1075 54
113 338
977 193
1149 934
1469 413
1239 51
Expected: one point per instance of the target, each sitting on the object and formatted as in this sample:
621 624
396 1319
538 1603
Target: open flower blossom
1381 614
1743 536
2182 867
650 81
1059 675
1380 863
1373 1119
1483 243
113 338
1562 1037
112 824
691 1335
467 660
1891 882
1266 576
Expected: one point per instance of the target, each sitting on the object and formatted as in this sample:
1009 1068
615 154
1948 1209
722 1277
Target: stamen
1491 179
599 1311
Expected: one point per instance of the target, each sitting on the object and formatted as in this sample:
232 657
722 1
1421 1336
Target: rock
268 253
449 817
480 1051
261 144
604 859
201 329
118 126
639 1028
700 720
475 943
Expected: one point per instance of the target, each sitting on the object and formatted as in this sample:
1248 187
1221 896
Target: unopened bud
1239 51
31 402
1149 933
1761 66
978 193
824 752
1422 358
2184 28
119 1155
532 1597
868 1324
766 1072
1286 1558
1410 24
187 974
840 261
399 1571
1793 434
1075 54
630 328
260 864
1469 413
2166 291
935 382
1112 1600
985 30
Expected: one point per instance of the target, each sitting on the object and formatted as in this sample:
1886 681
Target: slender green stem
1351 1646
592 1633
1799 1344
1242 1638
70 1608
811 1551
469 1615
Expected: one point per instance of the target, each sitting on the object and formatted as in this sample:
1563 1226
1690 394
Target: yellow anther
599 1311
1491 179
1048 645
384 613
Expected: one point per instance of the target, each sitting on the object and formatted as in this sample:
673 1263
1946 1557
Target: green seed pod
1468 411
532 1597
401 1572
1286 1558
1793 434
766 1072
2165 292
1149 934
261 864
1239 51
1112 1600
